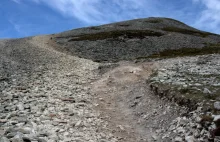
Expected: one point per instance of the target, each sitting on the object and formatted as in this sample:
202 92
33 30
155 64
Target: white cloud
100 11
17 1
210 16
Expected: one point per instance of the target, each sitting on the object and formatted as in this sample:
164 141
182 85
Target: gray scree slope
132 39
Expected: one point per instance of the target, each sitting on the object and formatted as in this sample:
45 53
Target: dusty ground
126 102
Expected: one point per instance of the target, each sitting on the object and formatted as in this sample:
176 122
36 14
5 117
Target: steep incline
49 95
44 95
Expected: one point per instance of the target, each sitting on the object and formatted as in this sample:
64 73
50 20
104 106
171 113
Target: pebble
154 137
178 139
217 105
46 112
207 91
4 139
189 139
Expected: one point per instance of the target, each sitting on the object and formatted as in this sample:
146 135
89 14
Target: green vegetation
187 31
154 21
124 25
206 118
194 93
116 34
94 28
187 96
170 53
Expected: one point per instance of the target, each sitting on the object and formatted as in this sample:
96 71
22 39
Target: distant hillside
136 39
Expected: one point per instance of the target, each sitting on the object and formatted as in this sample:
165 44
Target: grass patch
116 34
154 21
94 28
206 118
124 25
191 92
187 97
187 31
170 53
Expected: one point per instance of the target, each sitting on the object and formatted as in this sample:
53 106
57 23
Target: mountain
152 79
134 39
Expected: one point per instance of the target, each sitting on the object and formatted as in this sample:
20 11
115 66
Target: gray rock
11 135
2 132
22 119
20 106
189 139
180 130
154 137
217 105
216 85
206 91
4 139
178 139
216 118
198 119
26 130
18 138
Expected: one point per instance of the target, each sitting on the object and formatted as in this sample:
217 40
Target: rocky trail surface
66 101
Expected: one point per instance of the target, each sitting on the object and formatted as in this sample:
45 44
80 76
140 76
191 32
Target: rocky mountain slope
133 39
154 79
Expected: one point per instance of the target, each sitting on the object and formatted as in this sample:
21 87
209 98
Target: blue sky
21 18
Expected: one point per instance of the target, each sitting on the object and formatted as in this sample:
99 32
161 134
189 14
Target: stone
78 124
4 139
206 91
11 135
180 130
121 127
18 137
198 119
199 126
216 85
216 118
20 124
22 119
189 139
2 132
26 130
154 137
217 105
196 134
17 140
20 106
178 139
